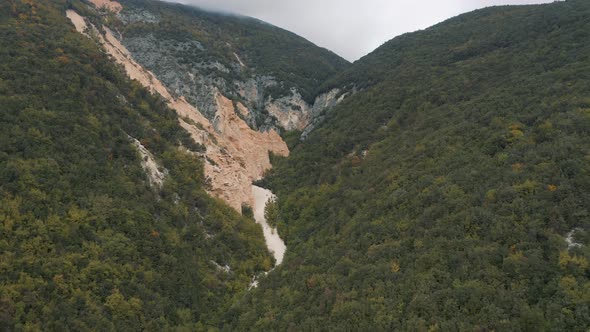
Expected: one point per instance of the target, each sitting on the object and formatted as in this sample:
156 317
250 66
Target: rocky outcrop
189 70
156 174
221 101
110 5
199 79
293 113
323 103
162 57
136 15
235 156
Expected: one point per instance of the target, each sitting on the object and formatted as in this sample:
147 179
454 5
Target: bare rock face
199 81
156 174
110 5
273 241
293 113
221 101
138 16
236 155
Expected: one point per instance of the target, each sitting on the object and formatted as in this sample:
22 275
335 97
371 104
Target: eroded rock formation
113 6
235 156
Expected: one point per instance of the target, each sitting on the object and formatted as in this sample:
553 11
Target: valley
165 167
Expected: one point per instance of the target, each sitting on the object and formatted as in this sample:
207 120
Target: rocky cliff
199 81
227 97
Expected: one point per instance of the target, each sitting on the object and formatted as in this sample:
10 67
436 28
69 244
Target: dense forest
451 192
86 244
440 197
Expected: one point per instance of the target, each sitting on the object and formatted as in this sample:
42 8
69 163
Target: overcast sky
351 28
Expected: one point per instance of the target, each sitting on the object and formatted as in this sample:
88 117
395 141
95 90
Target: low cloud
351 28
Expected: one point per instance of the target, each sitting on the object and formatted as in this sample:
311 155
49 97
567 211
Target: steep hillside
222 75
451 193
446 189
273 72
104 219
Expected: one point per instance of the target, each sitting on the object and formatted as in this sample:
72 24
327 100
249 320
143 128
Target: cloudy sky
351 28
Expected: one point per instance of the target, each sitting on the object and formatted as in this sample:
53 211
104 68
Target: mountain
106 215
440 183
227 76
451 192
192 51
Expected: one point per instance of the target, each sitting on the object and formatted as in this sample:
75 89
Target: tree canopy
440 196
86 243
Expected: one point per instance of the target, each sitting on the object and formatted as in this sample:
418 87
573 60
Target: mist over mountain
351 28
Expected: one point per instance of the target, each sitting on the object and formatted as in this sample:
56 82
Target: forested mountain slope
104 219
451 193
